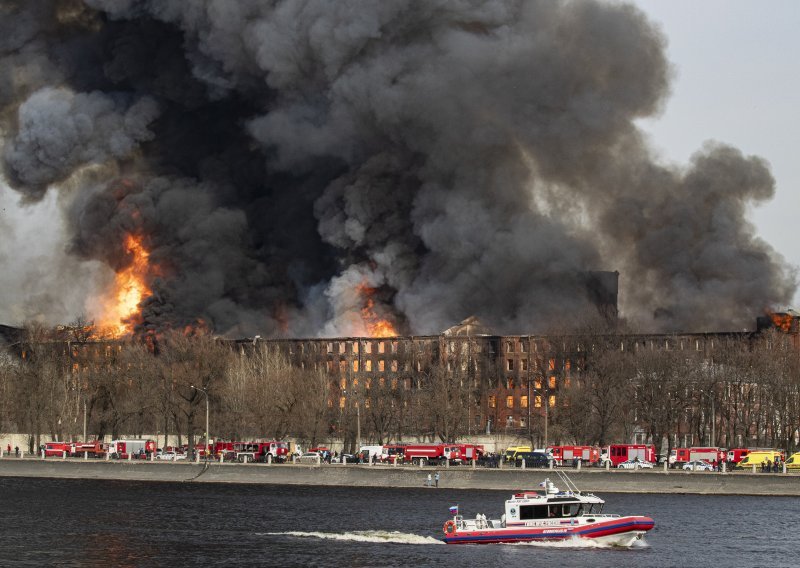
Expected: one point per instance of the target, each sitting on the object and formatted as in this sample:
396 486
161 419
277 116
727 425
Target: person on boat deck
555 511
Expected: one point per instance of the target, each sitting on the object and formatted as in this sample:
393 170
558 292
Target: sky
736 80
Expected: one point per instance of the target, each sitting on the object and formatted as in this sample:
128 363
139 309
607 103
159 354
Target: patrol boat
548 514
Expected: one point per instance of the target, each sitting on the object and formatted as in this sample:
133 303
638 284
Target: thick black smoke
459 158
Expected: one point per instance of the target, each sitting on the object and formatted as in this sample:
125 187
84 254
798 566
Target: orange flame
120 307
375 325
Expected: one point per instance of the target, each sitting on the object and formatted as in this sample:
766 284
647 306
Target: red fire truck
393 452
56 448
619 453
680 456
121 449
94 449
432 453
565 455
469 452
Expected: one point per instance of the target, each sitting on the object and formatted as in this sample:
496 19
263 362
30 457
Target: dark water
104 523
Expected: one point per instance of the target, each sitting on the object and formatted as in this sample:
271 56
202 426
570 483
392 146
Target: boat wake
578 542
363 536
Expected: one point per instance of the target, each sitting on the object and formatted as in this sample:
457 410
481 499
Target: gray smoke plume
283 159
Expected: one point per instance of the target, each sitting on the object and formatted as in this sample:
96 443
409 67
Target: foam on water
578 542
363 536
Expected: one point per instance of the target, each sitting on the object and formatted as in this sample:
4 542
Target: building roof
469 327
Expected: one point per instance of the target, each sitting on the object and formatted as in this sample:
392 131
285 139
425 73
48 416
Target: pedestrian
16 451
8 449
436 478
428 482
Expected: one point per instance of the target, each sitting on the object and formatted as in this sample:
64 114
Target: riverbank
600 481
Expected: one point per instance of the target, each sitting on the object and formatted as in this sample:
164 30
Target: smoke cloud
454 158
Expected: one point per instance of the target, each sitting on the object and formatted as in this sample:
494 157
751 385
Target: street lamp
358 422
206 436
710 397
546 408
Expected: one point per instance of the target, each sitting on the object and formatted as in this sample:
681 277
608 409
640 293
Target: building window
407 384
382 382
367 365
381 346
551 365
394 366
355 366
509 346
394 384
524 364
381 365
509 421
366 403
342 366
354 346
537 401
355 383
368 383
509 364
510 383
509 402
330 347
522 347
341 347
342 401
343 384
368 347
552 382
394 347
523 401
329 366
552 400
492 401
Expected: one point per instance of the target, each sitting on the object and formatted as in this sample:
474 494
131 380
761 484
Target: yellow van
512 451
794 461
757 458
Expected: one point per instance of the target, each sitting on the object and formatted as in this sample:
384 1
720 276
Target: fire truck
94 449
56 448
565 455
469 452
619 453
432 453
122 449
393 452
680 456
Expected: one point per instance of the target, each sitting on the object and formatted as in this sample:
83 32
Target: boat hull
620 531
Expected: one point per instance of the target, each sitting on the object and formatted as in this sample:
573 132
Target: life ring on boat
449 527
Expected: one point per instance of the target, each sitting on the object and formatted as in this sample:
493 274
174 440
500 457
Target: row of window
538 400
407 383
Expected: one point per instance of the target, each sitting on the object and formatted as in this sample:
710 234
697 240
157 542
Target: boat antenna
567 481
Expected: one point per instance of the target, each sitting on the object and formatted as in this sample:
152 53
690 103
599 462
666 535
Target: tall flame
120 307
375 325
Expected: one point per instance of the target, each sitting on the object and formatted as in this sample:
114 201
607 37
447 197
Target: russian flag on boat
454 510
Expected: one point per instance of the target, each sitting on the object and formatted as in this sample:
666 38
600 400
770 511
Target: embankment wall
600 481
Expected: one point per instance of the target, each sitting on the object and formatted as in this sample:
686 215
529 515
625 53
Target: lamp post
710 397
546 410
358 421
206 433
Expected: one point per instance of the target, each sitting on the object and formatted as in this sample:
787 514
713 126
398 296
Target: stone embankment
599 480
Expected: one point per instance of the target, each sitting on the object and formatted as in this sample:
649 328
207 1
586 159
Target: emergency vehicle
56 448
122 449
432 453
93 449
680 456
565 455
619 453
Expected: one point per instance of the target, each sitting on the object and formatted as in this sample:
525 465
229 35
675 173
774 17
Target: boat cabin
528 506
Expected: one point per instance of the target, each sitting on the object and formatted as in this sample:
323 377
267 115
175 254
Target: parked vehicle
566 455
310 457
94 449
680 456
532 459
511 452
135 449
698 465
431 454
57 449
619 453
635 463
794 461
758 457
170 456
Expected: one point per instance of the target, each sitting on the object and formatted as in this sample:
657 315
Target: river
48 522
